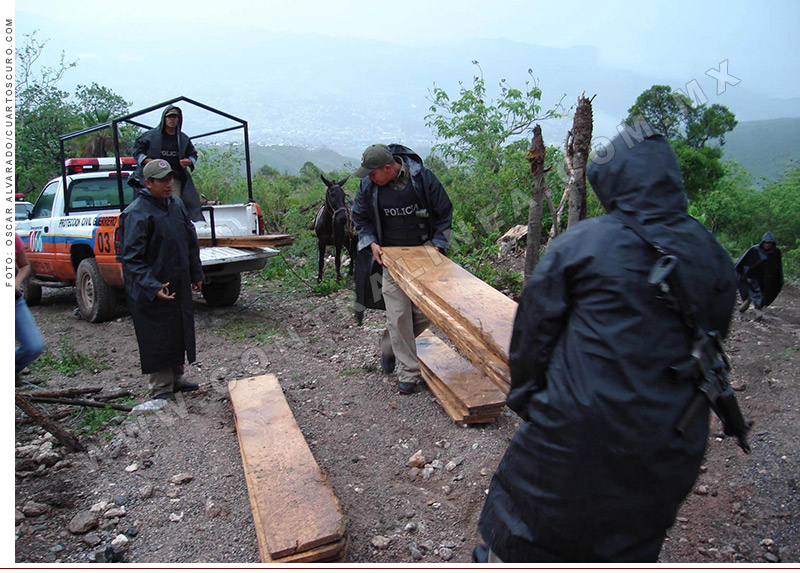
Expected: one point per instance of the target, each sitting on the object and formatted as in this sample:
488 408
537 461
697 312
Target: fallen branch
59 414
68 393
75 402
113 395
65 437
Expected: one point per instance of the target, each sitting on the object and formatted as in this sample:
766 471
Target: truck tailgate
217 255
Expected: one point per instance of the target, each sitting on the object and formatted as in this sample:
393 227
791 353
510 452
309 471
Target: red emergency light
90 164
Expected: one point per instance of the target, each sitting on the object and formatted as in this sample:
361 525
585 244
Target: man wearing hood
169 143
161 266
760 274
597 470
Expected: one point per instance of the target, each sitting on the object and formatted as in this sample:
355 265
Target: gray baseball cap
374 156
157 169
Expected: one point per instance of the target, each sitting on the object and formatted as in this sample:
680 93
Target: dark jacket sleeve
140 281
190 152
141 147
441 210
195 266
363 216
540 320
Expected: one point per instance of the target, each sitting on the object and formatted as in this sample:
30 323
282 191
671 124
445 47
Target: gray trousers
404 322
164 380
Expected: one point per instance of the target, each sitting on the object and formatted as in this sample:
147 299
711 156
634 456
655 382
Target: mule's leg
338 259
321 248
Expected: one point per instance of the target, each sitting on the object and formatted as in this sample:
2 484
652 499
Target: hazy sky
678 37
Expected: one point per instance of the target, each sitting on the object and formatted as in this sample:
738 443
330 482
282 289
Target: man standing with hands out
161 266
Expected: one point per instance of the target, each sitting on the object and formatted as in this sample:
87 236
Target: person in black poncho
161 266
760 274
597 471
168 142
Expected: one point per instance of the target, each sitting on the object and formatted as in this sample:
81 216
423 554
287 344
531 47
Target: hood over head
642 179
171 110
768 238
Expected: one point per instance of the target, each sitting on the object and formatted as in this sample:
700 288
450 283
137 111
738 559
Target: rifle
708 366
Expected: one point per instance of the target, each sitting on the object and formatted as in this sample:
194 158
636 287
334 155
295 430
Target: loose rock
34 509
417 460
380 542
83 522
180 479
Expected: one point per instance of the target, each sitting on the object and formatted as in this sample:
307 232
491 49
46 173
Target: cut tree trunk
577 148
536 156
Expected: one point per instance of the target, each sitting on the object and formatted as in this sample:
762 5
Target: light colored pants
494 558
404 322
164 381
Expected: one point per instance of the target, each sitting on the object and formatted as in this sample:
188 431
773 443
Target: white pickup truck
72 238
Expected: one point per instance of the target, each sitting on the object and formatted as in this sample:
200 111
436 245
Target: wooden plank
463 381
249 241
478 307
465 340
294 508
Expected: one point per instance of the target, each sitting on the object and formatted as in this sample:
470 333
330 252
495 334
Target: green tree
673 114
474 130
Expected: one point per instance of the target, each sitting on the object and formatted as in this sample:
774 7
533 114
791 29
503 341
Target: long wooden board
485 311
439 288
465 393
250 241
294 508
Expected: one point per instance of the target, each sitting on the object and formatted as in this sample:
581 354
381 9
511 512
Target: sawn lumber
477 318
465 393
247 242
294 508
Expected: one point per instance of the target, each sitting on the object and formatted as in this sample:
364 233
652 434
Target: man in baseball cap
400 202
157 169
375 156
160 268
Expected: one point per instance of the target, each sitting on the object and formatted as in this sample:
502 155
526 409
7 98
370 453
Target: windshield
97 193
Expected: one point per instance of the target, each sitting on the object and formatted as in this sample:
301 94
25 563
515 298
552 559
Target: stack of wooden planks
298 519
476 318
464 392
247 242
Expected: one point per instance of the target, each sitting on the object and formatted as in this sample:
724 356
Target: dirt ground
745 508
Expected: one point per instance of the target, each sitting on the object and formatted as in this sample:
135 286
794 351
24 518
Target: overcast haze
341 73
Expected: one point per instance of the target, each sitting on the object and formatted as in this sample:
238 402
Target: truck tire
32 293
96 300
223 292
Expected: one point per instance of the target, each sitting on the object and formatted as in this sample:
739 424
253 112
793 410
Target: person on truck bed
160 266
169 143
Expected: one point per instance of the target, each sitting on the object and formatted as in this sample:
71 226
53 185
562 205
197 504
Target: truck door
40 242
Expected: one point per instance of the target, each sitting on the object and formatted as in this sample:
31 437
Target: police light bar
91 164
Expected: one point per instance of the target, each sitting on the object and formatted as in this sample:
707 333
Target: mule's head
335 199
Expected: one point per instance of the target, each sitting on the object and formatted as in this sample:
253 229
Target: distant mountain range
765 148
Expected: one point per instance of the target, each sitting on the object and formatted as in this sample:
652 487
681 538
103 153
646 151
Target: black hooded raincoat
159 245
597 471
760 272
149 145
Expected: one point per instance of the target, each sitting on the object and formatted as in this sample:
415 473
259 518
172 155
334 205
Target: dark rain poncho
149 145
159 245
597 470
760 272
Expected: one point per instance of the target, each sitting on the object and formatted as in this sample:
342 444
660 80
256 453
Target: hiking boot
165 396
387 363
406 387
184 386
411 387
745 305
